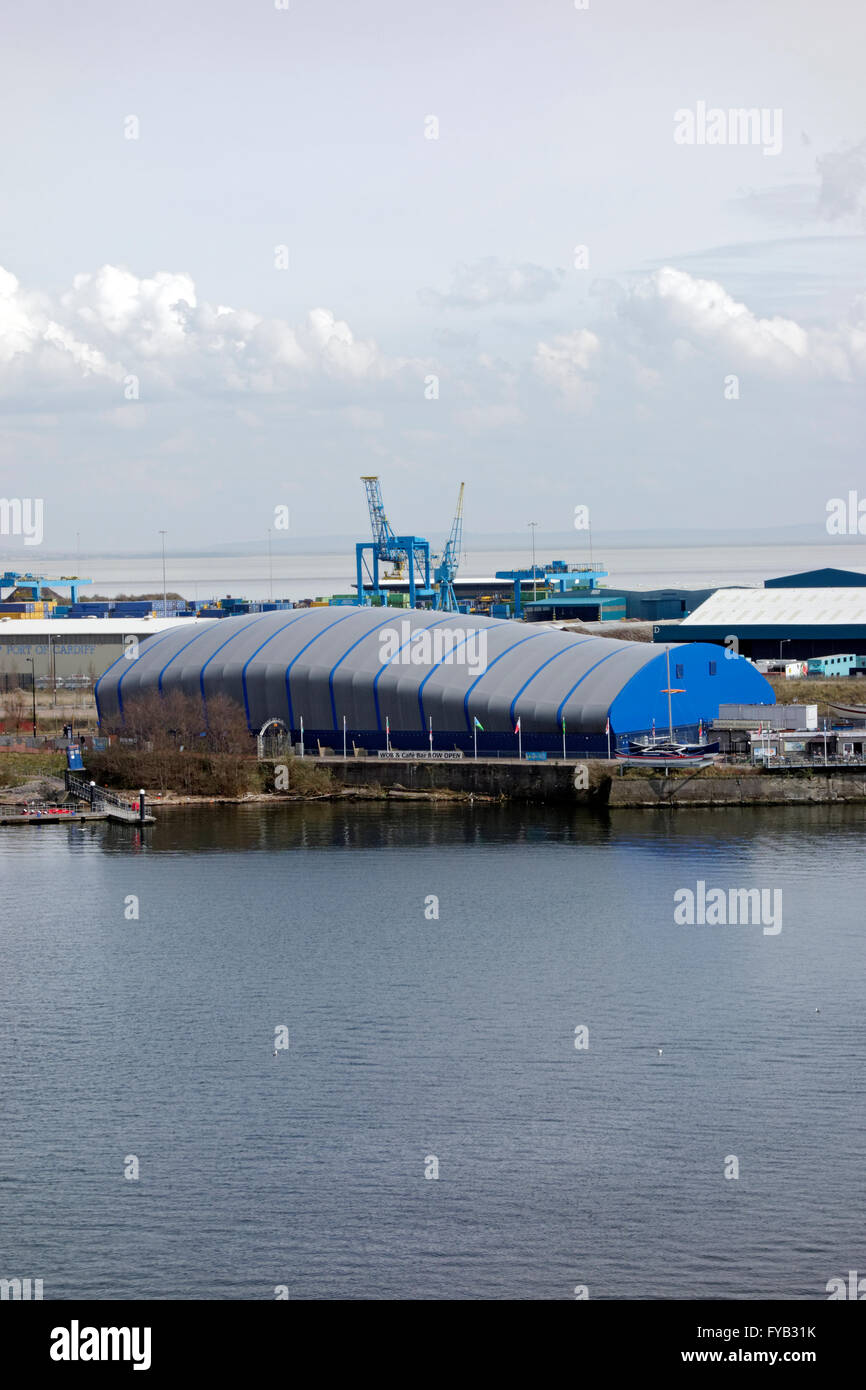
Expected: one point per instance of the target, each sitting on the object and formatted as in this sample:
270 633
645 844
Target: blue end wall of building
709 678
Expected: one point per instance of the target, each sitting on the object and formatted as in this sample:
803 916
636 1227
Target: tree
16 705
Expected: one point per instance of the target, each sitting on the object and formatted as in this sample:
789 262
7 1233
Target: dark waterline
412 1037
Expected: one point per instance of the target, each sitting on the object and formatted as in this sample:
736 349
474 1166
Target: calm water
295 576
412 1037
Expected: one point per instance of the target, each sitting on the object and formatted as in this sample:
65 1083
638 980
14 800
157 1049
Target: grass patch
841 691
16 768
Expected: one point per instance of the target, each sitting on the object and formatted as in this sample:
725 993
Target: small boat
669 748
666 753
855 712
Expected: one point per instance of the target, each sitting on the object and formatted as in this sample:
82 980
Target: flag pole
670 692
431 733
475 736
344 735
302 735
519 740
563 739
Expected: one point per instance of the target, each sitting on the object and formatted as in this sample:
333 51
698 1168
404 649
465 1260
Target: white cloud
675 310
31 335
491 281
671 323
140 315
565 361
112 324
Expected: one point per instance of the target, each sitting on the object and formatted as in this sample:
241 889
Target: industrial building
603 604
586 606
415 679
826 578
55 650
508 593
845 664
737 725
777 622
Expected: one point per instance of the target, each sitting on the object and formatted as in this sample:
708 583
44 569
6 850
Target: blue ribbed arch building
403 672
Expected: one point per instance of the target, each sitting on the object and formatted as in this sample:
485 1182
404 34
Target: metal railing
100 798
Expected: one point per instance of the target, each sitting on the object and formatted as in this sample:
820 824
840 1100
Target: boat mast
670 712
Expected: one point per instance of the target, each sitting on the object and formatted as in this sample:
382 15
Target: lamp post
532 525
782 644
164 598
32 661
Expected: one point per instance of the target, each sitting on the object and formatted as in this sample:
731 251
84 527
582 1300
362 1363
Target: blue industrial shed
778 622
827 578
409 670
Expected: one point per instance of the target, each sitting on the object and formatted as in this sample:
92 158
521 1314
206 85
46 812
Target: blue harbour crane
449 562
403 552
35 584
384 540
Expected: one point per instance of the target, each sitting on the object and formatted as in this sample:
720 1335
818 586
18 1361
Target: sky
251 252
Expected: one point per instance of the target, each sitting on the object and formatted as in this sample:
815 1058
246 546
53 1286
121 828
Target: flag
478 723
517 726
607 727
563 723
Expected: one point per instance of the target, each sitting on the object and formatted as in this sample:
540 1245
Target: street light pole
164 598
532 525
32 661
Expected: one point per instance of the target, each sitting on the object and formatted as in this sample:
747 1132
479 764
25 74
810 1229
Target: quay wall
564 782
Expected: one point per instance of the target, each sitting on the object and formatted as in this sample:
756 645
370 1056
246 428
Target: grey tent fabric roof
369 664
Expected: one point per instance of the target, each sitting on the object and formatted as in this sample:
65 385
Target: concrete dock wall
495 777
597 783
753 789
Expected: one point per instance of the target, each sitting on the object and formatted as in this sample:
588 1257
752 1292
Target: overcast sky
234 212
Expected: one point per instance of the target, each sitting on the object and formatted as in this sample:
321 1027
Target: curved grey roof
368 665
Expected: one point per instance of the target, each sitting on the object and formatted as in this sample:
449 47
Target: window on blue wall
679 672
712 668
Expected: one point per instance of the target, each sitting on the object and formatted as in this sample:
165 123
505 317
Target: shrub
187 774
298 778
